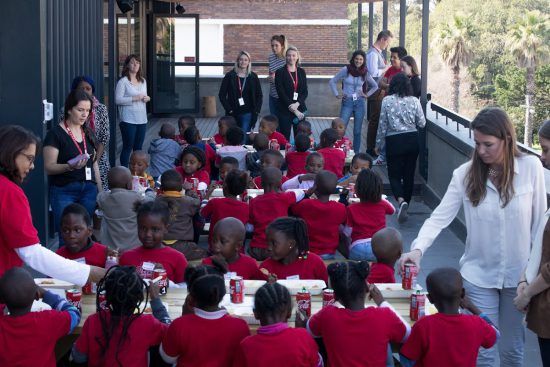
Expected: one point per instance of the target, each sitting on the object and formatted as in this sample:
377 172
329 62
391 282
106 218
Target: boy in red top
334 157
227 242
275 343
76 231
340 126
387 246
448 336
296 160
184 122
270 158
153 218
323 230
191 166
268 126
224 123
29 338
267 207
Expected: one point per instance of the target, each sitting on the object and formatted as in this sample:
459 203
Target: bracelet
522 281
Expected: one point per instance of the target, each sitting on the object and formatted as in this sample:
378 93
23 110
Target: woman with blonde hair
241 93
276 61
504 199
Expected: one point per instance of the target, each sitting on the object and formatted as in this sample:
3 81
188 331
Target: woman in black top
241 93
408 64
70 158
291 84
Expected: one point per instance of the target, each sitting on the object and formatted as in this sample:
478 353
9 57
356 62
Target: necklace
493 173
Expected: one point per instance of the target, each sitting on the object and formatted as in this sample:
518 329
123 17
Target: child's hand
311 191
154 290
192 194
375 294
187 185
39 293
112 252
220 261
467 304
301 318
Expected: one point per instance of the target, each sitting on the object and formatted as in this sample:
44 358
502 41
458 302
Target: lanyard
244 83
74 140
294 80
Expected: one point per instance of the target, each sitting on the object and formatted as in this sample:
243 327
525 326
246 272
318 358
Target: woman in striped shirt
276 61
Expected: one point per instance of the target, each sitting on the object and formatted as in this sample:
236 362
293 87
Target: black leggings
544 345
401 155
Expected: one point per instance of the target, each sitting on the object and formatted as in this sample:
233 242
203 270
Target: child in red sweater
193 138
227 242
153 218
324 229
184 122
205 335
356 336
290 256
449 335
224 123
267 207
120 334
340 126
368 216
334 157
387 247
29 338
275 343
268 126
192 163
229 206
270 158
305 181
296 160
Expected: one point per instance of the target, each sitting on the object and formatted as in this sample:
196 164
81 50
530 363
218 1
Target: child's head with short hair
328 138
314 162
120 177
348 279
17 290
228 237
192 159
272 158
227 164
340 126
192 135
139 161
302 142
359 162
153 218
224 123
234 136
445 288
304 127
387 246
171 181
184 122
272 304
271 179
325 183
261 142
235 183
167 131
369 186
287 238
269 124
206 286
76 227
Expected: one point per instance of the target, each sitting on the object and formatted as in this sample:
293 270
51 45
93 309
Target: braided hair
124 294
206 284
348 279
272 299
295 229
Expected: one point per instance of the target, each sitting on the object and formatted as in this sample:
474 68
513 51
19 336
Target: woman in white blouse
503 195
131 97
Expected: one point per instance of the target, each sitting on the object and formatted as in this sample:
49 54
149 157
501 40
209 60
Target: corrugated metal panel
74 46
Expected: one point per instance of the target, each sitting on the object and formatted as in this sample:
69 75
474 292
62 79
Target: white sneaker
402 214
380 161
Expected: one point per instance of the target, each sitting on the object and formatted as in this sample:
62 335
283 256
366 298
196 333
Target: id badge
354 96
293 277
295 97
148 266
241 101
88 174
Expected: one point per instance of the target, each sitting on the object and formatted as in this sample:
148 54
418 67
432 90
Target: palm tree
455 48
528 43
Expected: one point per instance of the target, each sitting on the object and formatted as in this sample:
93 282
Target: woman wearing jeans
354 79
504 199
131 96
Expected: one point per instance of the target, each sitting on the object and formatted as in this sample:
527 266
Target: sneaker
380 161
402 214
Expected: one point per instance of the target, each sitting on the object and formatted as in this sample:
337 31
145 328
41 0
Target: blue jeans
357 110
83 193
362 250
132 139
327 256
244 121
273 106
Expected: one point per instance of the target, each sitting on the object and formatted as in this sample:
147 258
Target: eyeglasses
30 157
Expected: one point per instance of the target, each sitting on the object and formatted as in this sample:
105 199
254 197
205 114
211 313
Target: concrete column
359 25
371 25
402 21
111 42
385 22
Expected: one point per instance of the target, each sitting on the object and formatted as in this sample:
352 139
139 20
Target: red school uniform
30 339
280 139
201 175
366 219
15 224
357 338
218 208
220 336
341 143
286 346
174 262
95 255
381 273
391 72
323 230
258 181
144 332
334 160
454 339
311 267
296 163
245 266
218 139
264 209
180 139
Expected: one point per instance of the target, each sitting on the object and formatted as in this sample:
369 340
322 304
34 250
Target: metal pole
371 25
384 21
424 57
111 38
402 21
359 25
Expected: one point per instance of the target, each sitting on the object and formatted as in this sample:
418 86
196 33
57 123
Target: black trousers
401 154
544 345
286 125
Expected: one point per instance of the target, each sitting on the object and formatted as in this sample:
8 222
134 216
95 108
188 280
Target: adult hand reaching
96 274
410 257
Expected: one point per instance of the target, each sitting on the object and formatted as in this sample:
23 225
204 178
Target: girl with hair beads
193 137
119 334
153 218
192 162
220 334
356 336
288 244
276 344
